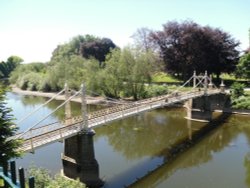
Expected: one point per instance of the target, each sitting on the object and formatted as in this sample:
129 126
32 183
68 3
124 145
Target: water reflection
215 141
147 134
140 143
79 160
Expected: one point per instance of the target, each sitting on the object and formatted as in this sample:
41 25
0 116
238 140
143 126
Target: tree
111 81
243 68
87 46
7 67
7 129
142 39
64 52
187 46
98 48
237 90
136 69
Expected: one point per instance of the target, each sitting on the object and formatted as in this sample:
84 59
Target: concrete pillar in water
79 159
199 109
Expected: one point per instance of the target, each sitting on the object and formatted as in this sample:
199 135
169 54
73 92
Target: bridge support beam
79 160
84 127
67 105
199 109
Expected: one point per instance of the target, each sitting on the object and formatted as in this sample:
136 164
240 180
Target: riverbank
89 99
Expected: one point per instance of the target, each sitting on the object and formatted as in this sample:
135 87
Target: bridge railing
108 114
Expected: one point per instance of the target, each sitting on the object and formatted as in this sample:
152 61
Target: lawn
162 77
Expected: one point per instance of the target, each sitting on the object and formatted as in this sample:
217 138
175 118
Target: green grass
232 77
162 77
247 93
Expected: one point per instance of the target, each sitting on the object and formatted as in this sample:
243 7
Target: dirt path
90 100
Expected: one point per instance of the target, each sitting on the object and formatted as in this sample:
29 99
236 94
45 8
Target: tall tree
7 67
137 69
243 68
142 39
87 46
7 147
187 46
98 49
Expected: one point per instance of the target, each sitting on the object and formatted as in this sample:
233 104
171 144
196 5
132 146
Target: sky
32 29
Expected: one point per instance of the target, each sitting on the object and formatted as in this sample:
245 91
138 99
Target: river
135 151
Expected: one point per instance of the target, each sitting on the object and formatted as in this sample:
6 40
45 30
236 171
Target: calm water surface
128 149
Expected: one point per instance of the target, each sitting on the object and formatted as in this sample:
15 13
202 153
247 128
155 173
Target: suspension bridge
39 135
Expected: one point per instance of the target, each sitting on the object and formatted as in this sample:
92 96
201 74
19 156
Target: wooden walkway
58 131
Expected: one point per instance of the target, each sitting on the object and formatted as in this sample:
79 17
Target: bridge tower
84 126
68 114
200 109
79 157
79 160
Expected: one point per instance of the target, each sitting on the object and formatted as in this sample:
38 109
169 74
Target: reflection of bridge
36 137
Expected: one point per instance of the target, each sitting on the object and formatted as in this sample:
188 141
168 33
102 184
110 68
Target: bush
242 102
237 90
155 90
44 179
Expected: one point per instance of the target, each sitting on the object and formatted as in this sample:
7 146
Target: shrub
237 90
155 90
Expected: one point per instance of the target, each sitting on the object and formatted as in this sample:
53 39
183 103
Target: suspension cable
38 108
49 114
182 85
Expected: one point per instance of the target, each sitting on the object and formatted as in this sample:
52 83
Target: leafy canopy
7 129
187 46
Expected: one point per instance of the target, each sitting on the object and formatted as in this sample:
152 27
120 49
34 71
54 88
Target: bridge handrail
131 107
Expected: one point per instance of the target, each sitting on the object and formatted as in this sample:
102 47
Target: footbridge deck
41 136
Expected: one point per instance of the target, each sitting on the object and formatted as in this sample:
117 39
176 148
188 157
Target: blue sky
32 29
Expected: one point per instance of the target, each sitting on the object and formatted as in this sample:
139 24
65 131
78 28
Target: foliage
130 70
7 129
98 48
62 182
141 39
87 46
187 46
156 90
30 76
237 90
243 68
41 175
44 179
162 77
243 102
7 67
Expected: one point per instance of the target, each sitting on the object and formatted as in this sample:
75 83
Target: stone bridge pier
202 108
79 160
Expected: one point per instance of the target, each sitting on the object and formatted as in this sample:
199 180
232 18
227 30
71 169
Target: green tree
237 90
7 129
30 76
87 46
243 68
111 80
7 67
134 70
